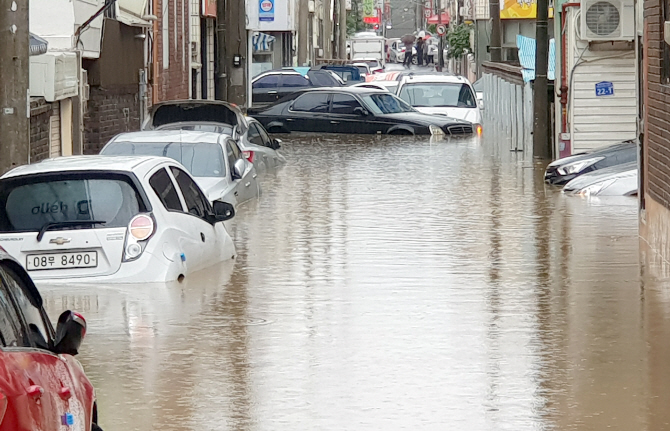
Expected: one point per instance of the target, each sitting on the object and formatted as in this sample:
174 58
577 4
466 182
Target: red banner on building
209 8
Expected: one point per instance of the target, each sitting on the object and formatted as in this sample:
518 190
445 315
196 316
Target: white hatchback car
111 219
452 96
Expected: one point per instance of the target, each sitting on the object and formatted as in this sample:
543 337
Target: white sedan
438 94
214 159
111 219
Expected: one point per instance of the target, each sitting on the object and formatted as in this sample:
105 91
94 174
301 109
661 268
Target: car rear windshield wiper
48 226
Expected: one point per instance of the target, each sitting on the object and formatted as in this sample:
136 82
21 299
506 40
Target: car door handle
334 122
236 193
35 392
289 119
202 236
247 184
272 92
254 176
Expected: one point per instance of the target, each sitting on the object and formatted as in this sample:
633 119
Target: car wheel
401 132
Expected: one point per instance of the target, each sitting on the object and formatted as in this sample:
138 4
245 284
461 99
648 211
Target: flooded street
390 284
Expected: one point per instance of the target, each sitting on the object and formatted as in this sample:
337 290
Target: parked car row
608 171
149 208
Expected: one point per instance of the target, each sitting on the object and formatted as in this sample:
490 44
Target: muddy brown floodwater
394 285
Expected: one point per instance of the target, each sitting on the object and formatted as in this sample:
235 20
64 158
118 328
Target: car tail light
3 406
249 155
141 227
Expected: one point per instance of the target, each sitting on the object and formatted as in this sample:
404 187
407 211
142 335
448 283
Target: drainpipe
564 80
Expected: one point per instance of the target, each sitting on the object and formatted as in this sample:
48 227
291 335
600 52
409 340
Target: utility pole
495 45
14 67
232 51
343 29
541 142
303 31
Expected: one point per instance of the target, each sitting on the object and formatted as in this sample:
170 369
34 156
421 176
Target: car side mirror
276 144
360 111
70 332
238 169
223 211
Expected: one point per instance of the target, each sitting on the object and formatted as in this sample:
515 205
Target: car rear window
433 94
28 204
200 159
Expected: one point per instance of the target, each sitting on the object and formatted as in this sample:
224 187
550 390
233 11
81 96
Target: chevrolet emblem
59 241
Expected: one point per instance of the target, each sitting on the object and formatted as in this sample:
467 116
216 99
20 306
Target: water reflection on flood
386 284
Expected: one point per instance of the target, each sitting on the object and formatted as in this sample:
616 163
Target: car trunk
68 225
190 111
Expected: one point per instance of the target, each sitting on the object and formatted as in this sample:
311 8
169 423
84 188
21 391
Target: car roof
354 90
138 164
185 136
437 78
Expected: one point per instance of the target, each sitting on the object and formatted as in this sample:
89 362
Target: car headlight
479 130
596 188
435 130
578 166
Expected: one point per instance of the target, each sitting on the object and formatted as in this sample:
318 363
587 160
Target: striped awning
526 47
38 45
262 41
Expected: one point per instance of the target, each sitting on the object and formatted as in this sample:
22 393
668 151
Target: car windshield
432 94
28 204
386 104
224 129
200 159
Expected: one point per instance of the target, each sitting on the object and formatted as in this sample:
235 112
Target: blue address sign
605 88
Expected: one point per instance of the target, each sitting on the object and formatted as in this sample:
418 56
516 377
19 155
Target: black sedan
353 110
272 85
563 170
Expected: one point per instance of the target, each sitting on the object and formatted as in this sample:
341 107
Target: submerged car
111 219
563 170
272 85
452 96
353 110
219 117
618 180
213 159
42 385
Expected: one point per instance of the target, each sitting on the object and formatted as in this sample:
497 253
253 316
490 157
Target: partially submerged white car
452 96
214 159
111 219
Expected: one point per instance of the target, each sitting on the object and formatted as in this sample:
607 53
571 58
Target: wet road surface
390 284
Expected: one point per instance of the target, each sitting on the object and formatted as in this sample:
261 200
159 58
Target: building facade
655 152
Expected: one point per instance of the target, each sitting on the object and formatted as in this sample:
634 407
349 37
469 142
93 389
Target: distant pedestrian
408 41
420 48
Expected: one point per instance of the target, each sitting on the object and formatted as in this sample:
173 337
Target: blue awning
38 45
526 47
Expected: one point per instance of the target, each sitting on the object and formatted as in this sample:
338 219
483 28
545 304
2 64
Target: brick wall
40 111
173 81
656 175
110 111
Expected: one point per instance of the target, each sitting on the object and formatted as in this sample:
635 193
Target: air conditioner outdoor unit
607 20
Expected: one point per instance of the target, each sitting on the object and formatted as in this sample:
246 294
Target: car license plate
88 259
